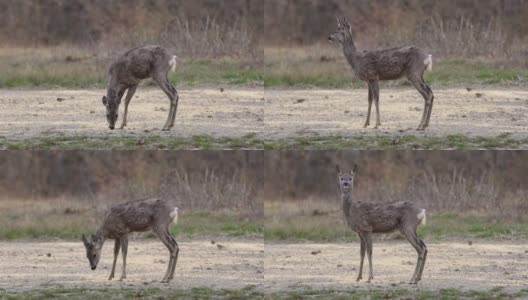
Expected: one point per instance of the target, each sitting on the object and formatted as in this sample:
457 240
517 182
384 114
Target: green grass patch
148 293
201 142
325 67
199 224
325 223
391 142
380 294
251 292
48 222
251 141
66 67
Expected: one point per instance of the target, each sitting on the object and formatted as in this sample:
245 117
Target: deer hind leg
375 94
130 93
419 246
367 122
427 94
124 250
174 101
431 95
117 245
171 245
368 244
171 92
174 255
424 257
362 256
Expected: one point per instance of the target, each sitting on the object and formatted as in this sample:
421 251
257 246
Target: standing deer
136 216
127 72
387 64
368 218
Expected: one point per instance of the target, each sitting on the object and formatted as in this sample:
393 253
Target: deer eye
94 255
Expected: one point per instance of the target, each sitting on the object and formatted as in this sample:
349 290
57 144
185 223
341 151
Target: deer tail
174 215
429 62
422 217
172 63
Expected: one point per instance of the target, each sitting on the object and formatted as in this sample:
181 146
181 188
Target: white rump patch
422 217
172 63
174 215
429 62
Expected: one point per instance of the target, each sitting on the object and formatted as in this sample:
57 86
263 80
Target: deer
386 64
129 70
368 218
136 216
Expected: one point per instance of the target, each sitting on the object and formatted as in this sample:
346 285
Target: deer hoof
359 279
111 277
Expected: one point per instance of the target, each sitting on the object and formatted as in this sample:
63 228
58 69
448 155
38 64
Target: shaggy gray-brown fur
127 72
367 218
137 216
387 64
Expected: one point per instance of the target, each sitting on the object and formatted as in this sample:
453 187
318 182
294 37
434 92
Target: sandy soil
30 113
31 265
480 266
343 112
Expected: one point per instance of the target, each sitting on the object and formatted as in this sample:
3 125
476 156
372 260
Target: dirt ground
33 113
283 113
41 265
480 266
343 112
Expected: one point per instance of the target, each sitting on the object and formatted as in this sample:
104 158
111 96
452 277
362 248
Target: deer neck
349 49
346 202
100 235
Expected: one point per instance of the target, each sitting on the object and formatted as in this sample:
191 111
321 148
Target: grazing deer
136 216
387 64
368 218
127 72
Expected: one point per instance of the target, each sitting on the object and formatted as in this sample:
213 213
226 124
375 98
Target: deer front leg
375 95
362 257
367 122
130 94
116 253
124 250
368 244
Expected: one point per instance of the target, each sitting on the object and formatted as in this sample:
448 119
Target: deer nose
111 127
93 268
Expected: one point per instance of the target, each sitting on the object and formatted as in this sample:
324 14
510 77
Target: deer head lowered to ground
137 216
368 218
127 72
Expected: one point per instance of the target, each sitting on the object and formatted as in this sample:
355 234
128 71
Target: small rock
221 90
299 101
464 116
316 252
470 243
339 266
469 89
48 255
347 111
212 242
92 111
457 270
60 99
220 246
478 95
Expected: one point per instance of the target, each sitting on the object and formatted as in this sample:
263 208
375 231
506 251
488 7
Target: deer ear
338 21
338 169
346 23
105 101
354 169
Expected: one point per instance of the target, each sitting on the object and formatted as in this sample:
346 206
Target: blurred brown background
234 25
488 182
462 27
197 180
